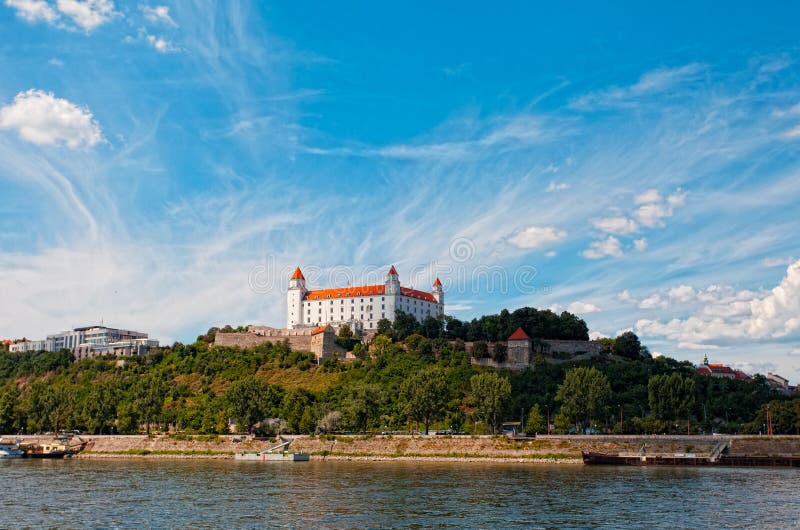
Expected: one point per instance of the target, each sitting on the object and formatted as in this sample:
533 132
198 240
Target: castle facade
360 307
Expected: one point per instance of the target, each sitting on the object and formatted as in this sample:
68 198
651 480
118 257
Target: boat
717 457
10 450
59 448
45 450
274 454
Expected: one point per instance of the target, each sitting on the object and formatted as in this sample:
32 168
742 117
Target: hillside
414 382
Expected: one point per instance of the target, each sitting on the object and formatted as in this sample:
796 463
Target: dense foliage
418 382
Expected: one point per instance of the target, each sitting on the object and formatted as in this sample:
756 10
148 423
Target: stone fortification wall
574 347
250 340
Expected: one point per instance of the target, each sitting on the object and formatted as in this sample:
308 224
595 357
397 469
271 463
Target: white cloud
648 197
777 262
160 44
602 248
550 254
731 314
640 244
557 186
596 335
580 307
158 14
652 302
794 132
41 118
625 296
55 61
33 10
650 215
657 354
677 199
537 237
778 313
87 14
695 346
682 293
652 212
616 225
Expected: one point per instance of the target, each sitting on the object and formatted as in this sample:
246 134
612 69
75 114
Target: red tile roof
413 293
366 290
720 369
320 329
346 292
437 283
519 335
298 275
393 271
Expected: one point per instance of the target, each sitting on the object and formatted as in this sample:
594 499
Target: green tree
345 332
432 327
627 345
480 350
405 324
425 395
537 423
361 405
671 397
500 352
489 393
251 400
150 393
583 394
384 327
100 407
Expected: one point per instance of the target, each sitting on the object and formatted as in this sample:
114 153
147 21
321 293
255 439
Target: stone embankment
543 449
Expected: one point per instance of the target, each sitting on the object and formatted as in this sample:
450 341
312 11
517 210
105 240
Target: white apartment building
361 306
91 341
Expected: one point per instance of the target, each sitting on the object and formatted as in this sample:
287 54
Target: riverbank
543 449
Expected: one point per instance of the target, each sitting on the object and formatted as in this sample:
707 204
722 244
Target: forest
412 376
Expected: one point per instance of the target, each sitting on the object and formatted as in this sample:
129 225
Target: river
225 493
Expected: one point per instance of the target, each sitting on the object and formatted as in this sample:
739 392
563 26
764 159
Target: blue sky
166 166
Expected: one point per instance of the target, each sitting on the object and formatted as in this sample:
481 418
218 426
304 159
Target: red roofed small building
519 348
361 307
720 370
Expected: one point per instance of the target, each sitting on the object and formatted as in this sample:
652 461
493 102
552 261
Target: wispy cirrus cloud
654 82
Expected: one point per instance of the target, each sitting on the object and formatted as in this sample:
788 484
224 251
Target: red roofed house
360 307
720 370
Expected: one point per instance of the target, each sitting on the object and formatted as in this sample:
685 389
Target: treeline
539 324
418 382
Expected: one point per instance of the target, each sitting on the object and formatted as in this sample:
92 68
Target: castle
360 307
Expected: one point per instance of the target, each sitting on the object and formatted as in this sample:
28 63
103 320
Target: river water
336 494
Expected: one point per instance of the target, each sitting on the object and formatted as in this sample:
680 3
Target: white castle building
360 307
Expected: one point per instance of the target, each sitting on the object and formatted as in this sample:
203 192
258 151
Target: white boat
274 455
10 450
267 456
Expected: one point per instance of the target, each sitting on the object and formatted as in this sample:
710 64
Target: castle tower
392 282
294 299
438 292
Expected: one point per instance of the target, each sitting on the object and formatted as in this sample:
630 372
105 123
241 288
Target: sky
164 167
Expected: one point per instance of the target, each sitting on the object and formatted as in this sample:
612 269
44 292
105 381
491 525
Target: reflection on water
205 493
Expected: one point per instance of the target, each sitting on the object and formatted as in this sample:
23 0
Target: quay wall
566 449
